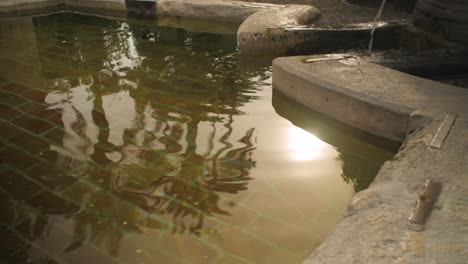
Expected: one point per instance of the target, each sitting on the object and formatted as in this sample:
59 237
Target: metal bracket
443 130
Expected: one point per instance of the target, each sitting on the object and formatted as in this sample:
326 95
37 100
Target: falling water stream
377 17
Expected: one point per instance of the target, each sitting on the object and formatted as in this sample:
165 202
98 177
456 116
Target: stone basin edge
403 108
270 30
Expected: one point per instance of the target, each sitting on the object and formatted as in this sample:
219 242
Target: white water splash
377 17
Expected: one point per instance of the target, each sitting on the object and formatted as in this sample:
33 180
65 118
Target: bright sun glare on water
303 145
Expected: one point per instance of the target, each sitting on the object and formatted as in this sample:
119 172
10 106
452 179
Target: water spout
377 17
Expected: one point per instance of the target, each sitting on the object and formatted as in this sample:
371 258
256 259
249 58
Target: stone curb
403 108
371 114
265 29
12 7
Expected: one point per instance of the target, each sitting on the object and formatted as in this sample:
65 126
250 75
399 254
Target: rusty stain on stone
424 205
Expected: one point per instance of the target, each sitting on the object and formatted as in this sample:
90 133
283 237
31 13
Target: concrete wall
11 6
448 18
15 6
97 4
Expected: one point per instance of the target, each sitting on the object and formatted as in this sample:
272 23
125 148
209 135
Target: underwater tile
31 254
53 177
8 130
281 257
36 126
49 156
92 231
283 235
49 203
35 95
105 203
9 242
12 212
17 185
90 205
54 136
15 88
8 113
237 215
17 158
11 100
56 120
87 254
37 110
240 243
144 248
32 144
78 249
227 259
188 247
47 234
94 175
268 204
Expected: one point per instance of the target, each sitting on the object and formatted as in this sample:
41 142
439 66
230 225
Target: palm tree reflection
155 165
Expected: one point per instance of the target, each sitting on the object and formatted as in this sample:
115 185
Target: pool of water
124 141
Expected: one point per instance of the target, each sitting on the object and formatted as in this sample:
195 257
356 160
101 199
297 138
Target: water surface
127 142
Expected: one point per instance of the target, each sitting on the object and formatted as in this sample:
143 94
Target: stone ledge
447 18
26 5
296 79
97 4
263 32
217 10
257 18
374 228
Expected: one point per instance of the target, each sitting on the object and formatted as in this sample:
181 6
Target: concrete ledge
448 18
197 25
217 10
374 227
15 6
370 97
294 39
214 10
267 29
97 4
254 36
293 78
263 32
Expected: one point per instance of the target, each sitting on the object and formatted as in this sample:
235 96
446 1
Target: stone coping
235 12
9 8
265 29
406 109
366 88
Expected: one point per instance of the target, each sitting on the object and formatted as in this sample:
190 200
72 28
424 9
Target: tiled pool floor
124 142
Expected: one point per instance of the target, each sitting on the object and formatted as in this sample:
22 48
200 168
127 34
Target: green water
127 142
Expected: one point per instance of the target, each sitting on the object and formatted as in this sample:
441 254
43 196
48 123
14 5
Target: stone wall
12 6
448 18
15 6
98 4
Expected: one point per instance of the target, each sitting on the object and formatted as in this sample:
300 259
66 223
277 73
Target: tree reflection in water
149 157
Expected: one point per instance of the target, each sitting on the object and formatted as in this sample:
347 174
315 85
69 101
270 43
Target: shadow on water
361 154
